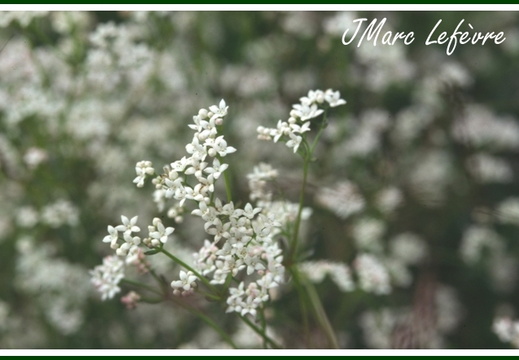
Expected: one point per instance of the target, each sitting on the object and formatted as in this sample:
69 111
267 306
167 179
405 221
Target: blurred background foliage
85 95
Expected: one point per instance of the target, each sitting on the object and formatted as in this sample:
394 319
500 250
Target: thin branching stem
227 185
304 286
141 285
212 324
202 278
260 332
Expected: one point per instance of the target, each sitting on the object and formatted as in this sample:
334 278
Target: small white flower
504 328
203 113
221 147
196 168
333 98
27 217
306 112
143 168
263 133
309 108
186 283
228 209
373 275
267 282
248 211
314 96
282 129
180 165
159 232
129 248
107 276
235 300
217 169
300 129
205 258
128 226
249 307
34 157
253 264
112 237
218 229
219 111
196 149
294 142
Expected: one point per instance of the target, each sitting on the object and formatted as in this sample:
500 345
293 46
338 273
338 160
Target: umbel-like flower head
241 239
291 132
106 277
185 285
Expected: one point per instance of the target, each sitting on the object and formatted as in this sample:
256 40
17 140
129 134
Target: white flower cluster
408 248
343 199
367 233
248 246
143 168
483 129
258 181
106 277
242 238
412 327
24 18
508 211
35 156
185 285
158 234
367 133
298 123
49 279
206 143
430 177
476 240
118 52
378 325
59 213
340 273
405 249
507 330
388 199
373 275
283 211
489 169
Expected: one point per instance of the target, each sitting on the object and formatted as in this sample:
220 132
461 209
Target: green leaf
152 252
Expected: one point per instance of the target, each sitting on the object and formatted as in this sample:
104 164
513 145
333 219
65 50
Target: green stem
156 277
141 285
300 282
318 309
7 42
295 235
302 299
309 150
227 185
212 324
306 163
263 322
260 332
189 268
194 311
150 300
319 133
